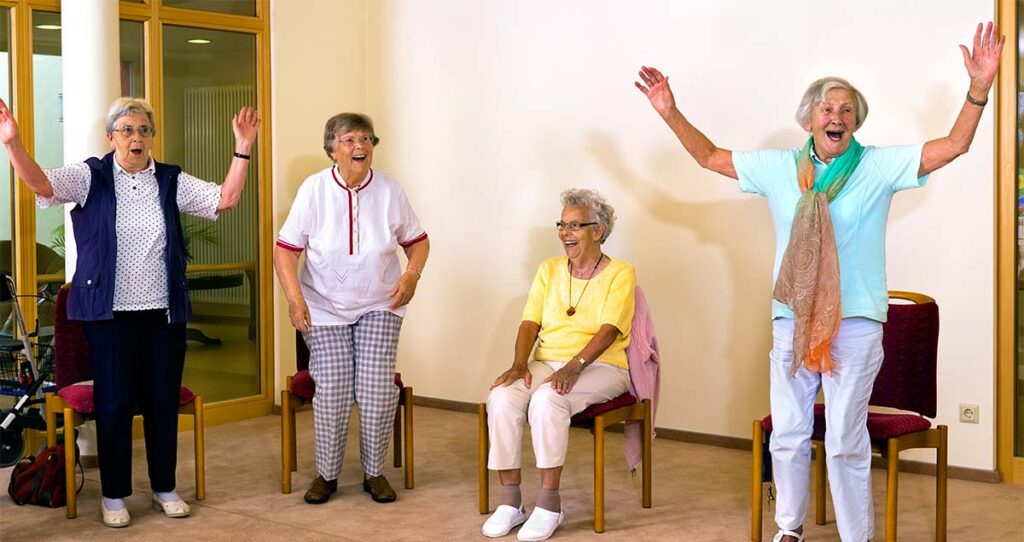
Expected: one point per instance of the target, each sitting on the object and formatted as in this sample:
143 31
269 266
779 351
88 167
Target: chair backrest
301 352
71 363
910 341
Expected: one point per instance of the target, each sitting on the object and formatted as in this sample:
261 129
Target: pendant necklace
572 308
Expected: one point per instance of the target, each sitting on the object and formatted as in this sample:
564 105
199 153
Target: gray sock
550 500
511 496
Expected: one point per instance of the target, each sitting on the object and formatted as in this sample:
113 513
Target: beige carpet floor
700 493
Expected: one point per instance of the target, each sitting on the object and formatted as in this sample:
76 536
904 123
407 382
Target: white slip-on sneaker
173 509
541 525
115 518
503 520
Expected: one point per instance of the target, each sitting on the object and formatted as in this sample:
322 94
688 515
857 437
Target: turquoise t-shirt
859 214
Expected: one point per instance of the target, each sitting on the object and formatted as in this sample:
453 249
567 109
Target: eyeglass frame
560 225
129 130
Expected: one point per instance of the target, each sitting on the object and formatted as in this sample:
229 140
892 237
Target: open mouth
834 135
136 152
359 158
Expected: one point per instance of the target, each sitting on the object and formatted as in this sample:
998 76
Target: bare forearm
28 169
939 152
525 340
600 342
417 255
706 153
234 181
286 264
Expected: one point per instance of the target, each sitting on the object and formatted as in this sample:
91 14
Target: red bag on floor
39 479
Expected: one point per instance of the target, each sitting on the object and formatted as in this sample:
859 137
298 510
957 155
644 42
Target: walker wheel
12 445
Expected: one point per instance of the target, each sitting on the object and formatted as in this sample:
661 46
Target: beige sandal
173 509
115 518
783 532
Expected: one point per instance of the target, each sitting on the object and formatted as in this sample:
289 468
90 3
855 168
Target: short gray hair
815 94
344 123
593 202
124 106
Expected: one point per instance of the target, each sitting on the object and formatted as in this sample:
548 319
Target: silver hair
124 106
343 123
815 94
593 202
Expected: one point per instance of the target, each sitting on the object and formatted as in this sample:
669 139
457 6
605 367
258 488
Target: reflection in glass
48 114
1018 388
204 85
6 173
132 65
235 7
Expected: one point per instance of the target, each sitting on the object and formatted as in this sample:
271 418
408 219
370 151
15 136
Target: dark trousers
137 361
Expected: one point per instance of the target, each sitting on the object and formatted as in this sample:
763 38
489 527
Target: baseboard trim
737 443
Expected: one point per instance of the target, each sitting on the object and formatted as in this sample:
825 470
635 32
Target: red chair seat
79 396
880 426
303 386
594 411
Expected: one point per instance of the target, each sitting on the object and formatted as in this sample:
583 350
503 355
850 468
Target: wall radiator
209 144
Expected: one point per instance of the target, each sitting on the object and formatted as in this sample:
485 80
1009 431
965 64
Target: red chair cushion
303 386
880 426
79 396
595 410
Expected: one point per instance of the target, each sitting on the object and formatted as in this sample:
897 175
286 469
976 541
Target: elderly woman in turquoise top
829 201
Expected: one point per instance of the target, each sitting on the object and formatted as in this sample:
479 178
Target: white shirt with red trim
351 238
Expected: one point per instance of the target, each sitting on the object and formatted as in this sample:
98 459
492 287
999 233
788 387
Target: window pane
6 173
236 7
204 85
132 66
47 96
1018 407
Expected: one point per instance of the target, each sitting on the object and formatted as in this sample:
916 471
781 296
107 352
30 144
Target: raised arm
246 125
982 63
24 165
655 87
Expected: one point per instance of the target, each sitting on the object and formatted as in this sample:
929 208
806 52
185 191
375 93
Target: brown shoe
321 490
379 488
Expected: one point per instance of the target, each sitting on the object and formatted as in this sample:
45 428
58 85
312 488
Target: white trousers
508 408
857 352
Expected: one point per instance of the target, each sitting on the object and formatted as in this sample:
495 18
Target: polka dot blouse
140 281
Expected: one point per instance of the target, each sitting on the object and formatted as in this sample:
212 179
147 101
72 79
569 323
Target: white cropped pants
509 407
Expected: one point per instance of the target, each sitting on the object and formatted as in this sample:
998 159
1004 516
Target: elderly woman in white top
351 297
129 287
829 200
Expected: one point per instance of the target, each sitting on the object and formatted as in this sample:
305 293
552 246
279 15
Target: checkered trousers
354 363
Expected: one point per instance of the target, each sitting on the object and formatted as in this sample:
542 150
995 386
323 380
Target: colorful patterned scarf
808 280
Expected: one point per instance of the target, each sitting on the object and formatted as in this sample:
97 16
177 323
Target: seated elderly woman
580 309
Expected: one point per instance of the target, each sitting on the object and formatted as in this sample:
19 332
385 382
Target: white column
91 69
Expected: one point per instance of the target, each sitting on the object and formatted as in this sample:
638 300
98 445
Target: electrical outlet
968 413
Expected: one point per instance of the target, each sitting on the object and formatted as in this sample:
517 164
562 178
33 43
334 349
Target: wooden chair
596 418
74 398
299 390
906 381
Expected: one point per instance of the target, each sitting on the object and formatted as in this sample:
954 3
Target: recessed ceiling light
48 26
199 41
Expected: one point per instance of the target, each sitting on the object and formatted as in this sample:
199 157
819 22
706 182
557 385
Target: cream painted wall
487 110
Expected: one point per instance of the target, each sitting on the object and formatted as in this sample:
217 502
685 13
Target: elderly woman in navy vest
129 287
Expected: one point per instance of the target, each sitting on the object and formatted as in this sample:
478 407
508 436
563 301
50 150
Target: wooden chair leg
599 474
757 484
410 478
199 434
646 499
892 488
483 449
820 476
396 431
52 405
941 475
293 459
286 452
71 510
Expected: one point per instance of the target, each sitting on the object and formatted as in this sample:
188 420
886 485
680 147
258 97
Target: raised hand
246 125
982 61
655 87
8 127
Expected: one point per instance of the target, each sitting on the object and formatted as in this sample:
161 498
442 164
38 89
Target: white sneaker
503 520
541 525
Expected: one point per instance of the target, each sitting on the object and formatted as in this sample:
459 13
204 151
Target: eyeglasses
573 226
350 141
128 130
